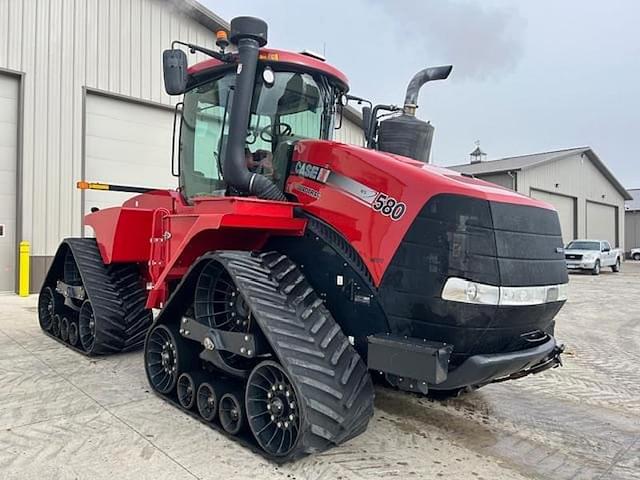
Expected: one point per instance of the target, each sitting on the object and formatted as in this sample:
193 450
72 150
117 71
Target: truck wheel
596 268
636 256
616 267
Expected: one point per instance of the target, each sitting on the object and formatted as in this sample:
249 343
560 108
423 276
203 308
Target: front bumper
420 365
487 368
581 265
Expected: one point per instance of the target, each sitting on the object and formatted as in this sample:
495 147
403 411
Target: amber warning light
221 39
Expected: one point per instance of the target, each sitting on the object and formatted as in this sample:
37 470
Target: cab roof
282 57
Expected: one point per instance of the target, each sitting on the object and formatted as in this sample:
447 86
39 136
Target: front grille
573 257
487 242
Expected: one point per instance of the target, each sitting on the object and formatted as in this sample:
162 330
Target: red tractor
287 267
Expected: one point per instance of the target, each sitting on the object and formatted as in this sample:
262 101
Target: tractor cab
286 105
243 111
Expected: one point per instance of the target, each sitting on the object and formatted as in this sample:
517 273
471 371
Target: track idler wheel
64 329
47 306
207 401
273 409
166 356
73 333
231 413
87 326
55 325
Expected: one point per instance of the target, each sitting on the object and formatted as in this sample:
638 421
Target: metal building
81 97
589 199
632 220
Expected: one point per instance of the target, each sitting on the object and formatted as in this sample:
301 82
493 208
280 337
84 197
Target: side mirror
174 66
366 120
605 249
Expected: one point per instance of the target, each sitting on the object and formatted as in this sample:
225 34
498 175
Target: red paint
166 235
374 236
281 57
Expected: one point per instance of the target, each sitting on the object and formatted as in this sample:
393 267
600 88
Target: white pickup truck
635 253
592 255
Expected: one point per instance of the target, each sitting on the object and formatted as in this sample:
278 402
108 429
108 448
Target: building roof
523 162
634 203
201 14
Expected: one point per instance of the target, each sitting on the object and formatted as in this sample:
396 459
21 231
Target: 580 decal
389 206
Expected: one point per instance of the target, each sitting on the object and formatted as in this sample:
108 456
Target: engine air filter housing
407 136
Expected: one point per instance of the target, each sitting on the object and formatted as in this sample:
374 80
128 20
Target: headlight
589 256
465 291
461 290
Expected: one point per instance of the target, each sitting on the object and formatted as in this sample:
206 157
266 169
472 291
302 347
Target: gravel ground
63 416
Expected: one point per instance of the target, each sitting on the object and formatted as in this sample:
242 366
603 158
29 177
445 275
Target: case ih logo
310 171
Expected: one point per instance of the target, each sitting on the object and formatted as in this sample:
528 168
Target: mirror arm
223 57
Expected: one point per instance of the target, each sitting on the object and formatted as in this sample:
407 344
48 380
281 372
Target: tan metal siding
631 230
503 179
63 46
350 133
577 177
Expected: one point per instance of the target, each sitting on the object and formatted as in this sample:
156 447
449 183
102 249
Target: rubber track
330 376
114 292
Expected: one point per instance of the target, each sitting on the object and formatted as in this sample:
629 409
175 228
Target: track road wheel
231 414
73 333
207 401
64 329
186 391
46 308
273 409
55 325
87 326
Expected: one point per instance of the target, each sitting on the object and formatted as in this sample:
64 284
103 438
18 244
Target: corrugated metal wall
63 46
631 230
350 133
577 177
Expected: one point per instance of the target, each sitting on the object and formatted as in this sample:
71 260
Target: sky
528 76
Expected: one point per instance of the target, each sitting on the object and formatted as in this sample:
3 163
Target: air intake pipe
248 34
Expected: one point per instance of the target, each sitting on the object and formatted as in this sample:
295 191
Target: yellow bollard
23 277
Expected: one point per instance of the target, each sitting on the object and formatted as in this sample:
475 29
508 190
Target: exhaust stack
418 80
405 134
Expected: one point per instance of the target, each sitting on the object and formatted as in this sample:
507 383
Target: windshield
581 245
295 106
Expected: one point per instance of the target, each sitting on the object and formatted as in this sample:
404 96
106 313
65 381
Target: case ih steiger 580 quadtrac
287 267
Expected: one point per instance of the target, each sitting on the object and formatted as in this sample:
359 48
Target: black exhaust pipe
418 80
248 34
405 134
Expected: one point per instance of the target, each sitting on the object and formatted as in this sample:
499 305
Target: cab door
608 256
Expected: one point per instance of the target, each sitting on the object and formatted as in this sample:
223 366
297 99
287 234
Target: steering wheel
277 129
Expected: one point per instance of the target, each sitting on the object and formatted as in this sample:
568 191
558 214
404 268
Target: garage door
9 88
126 143
566 207
601 222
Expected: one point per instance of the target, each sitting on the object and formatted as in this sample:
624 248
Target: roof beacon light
221 40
